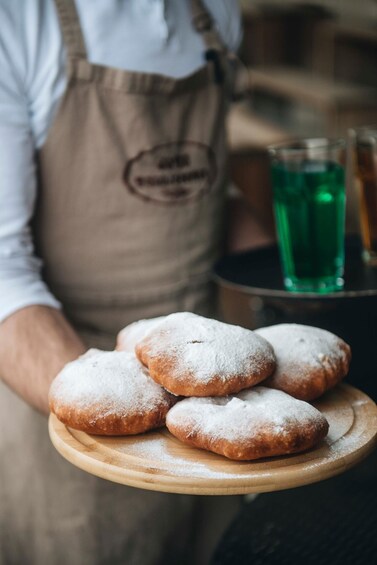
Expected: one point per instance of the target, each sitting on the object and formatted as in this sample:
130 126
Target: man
117 108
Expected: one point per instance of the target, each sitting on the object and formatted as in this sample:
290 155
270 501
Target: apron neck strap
203 22
71 29
216 53
74 41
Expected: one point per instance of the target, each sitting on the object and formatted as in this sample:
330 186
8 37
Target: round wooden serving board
158 461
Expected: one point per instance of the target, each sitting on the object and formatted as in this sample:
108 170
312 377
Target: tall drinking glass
365 152
308 180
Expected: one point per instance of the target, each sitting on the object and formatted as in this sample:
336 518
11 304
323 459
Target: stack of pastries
202 379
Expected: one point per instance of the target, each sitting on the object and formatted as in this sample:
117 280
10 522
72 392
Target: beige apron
128 223
133 176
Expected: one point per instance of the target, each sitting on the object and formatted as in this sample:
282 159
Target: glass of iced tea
308 180
365 173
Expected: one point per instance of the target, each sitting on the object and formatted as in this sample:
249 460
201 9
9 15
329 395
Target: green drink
309 203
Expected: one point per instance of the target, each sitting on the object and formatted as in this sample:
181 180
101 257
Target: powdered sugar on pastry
195 356
133 333
309 360
108 393
258 422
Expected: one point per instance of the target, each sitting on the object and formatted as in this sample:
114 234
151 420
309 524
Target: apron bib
132 182
128 223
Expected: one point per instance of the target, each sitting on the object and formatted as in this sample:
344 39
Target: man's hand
35 344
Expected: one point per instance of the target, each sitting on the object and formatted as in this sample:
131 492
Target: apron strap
203 22
216 53
201 19
71 29
227 67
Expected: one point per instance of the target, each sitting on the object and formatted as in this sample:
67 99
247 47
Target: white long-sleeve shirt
154 36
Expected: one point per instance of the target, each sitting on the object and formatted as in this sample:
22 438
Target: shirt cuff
23 292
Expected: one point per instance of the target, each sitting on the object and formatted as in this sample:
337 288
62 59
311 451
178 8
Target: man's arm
35 343
245 229
250 220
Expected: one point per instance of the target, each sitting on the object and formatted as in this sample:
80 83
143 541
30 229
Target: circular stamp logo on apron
173 173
